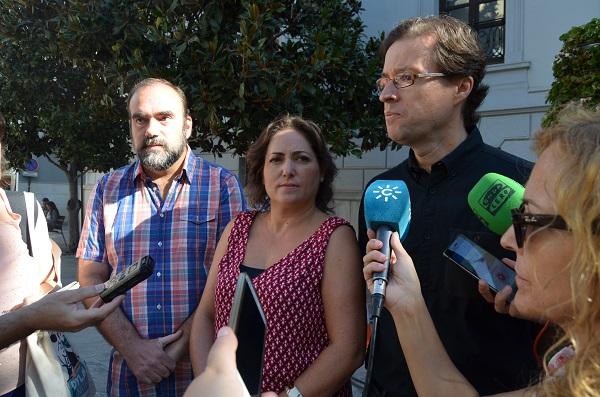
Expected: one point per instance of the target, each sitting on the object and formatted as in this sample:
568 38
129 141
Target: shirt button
159 306
160 243
158 274
162 215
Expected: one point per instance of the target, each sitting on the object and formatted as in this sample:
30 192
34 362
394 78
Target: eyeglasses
403 79
522 220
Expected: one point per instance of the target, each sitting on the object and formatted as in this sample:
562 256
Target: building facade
519 81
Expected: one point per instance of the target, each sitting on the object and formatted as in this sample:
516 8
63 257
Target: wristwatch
293 392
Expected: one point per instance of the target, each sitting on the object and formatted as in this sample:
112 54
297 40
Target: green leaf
180 49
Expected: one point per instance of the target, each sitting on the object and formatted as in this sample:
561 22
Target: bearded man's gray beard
160 161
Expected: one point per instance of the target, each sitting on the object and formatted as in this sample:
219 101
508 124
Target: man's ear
187 126
464 86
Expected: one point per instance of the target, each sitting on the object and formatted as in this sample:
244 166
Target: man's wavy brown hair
457 53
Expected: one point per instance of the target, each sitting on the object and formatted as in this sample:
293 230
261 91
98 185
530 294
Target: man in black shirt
431 87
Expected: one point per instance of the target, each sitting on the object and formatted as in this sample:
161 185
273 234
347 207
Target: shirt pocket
201 233
197 219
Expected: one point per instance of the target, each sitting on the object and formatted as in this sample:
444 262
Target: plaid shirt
127 219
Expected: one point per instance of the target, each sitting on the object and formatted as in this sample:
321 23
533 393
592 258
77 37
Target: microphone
387 210
492 198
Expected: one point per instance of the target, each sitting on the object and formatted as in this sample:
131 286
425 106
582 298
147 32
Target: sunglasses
522 220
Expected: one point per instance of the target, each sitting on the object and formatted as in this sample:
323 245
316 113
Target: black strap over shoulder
19 206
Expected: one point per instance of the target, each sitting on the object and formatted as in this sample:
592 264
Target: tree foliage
67 65
241 63
576 70
55 104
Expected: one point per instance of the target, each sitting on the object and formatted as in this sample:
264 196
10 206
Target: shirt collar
187 173
454 159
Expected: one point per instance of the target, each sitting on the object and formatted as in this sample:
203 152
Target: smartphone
128 278
249 323
481 264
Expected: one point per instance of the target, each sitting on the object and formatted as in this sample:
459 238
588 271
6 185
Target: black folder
248 321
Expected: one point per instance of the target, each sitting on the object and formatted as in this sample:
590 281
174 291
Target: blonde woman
556 236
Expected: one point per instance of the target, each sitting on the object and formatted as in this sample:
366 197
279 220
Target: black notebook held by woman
249 323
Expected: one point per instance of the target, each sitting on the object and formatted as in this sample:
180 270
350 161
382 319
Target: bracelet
293 392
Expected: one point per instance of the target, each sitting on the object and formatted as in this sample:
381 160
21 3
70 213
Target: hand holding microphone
492 199
387 215
403 286
387 210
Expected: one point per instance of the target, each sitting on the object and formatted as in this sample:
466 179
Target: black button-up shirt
492 350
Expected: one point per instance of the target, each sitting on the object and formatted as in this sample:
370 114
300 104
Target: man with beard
173 206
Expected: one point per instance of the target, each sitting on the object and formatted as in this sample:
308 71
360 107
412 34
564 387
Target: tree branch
52 161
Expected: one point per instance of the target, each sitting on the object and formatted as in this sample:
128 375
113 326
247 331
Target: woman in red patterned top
304 264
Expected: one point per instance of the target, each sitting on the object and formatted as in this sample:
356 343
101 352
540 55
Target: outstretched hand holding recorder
128 278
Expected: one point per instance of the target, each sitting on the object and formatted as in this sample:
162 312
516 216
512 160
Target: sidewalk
94 350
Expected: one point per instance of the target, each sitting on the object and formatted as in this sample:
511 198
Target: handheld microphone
387 210
492 198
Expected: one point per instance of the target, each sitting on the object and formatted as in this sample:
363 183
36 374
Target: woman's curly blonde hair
577 193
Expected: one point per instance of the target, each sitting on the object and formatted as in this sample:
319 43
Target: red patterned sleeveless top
290 292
